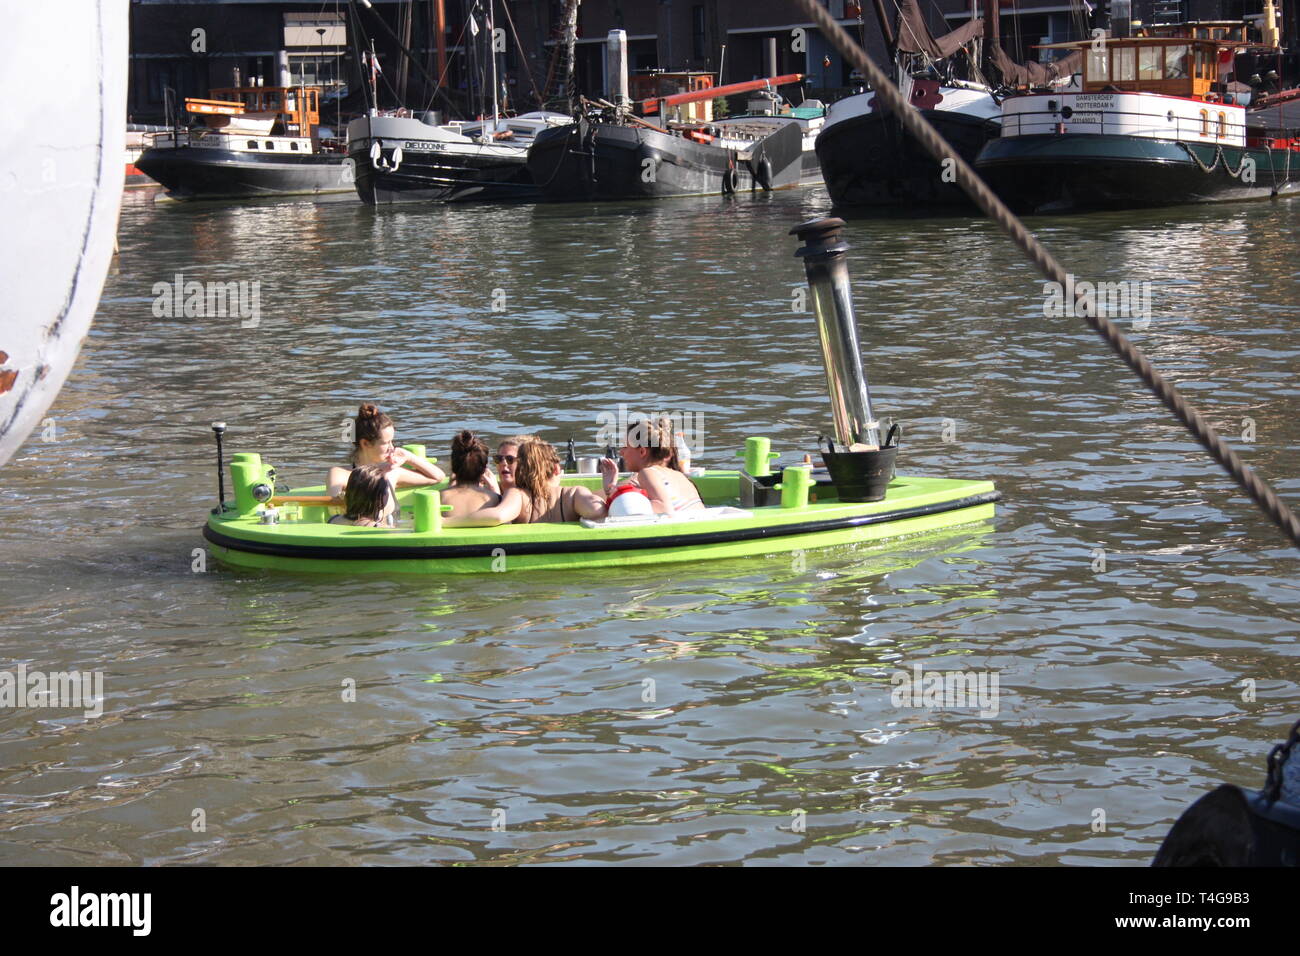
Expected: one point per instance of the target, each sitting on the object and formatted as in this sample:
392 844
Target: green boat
856 497
911 506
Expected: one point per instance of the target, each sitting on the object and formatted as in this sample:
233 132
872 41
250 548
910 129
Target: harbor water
1129 614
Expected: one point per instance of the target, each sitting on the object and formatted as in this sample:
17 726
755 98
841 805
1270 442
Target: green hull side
770 530
607 559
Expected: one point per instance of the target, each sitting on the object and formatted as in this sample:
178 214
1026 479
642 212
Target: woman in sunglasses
373 443
506 457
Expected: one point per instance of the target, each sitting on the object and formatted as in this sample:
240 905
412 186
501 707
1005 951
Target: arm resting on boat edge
512 502
588 504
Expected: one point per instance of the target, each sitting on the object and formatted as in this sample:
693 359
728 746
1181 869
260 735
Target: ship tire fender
730 180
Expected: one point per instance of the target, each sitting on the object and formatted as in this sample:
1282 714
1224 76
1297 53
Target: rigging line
1077 19
446 67
916 39
338 73
1256 487
355 32
520 47
1015 23
352 5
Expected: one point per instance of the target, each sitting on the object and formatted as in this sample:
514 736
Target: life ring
764 175
730 180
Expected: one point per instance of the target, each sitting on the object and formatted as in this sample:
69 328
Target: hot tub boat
855 497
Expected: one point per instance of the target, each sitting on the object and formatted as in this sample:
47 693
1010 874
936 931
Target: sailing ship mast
492 58
886 29
992 38
563 57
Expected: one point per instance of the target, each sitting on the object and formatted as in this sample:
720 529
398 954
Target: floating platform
912 506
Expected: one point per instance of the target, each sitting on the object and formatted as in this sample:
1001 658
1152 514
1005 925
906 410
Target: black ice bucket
863 475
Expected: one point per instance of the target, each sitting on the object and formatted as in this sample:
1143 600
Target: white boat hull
61 178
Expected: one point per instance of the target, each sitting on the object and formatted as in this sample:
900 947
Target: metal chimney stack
616 67
825 264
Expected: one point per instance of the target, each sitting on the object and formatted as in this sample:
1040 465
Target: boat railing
186 137
1121 122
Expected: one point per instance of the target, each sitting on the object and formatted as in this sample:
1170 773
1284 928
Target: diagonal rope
914 123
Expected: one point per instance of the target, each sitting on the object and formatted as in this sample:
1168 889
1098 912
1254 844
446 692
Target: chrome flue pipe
826 266
616 67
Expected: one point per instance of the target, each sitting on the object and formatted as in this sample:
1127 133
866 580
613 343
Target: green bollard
244 475
428 507
757 455
795 484
244 458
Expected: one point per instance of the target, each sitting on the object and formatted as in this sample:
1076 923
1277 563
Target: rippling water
719 712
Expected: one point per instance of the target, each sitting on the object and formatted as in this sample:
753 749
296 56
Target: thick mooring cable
914 123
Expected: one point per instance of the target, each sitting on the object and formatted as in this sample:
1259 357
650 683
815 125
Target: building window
176 74
314 30
1223 126
314 69
316 43
697 31
252 144
1205 122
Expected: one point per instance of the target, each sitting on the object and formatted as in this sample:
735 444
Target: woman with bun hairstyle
368 500
472 485
373 444
650 452
537 495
